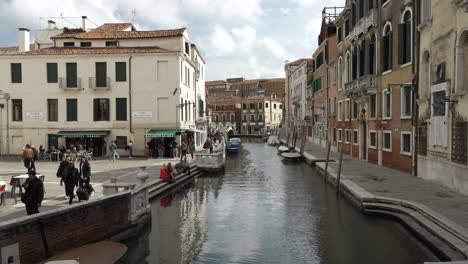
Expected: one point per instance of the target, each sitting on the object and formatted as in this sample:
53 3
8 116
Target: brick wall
68 227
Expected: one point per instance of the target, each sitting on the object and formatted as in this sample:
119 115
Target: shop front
90 140
160 142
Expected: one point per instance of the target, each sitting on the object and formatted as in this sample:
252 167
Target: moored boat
273 141
292 156
100 252
234 145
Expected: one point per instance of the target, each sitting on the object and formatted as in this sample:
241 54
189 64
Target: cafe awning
156 133
83 133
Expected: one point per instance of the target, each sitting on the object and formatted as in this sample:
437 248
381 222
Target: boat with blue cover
234 145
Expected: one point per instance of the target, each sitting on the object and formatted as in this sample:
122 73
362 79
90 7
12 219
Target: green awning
83 133
155 133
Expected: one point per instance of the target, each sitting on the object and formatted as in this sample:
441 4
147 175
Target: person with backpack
34 193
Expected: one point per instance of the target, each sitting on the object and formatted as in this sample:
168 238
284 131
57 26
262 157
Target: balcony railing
361 85
371 19
65 83
296 98
99 84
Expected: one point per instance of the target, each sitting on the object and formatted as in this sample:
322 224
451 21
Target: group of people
75 177
113 154
163 148
168 173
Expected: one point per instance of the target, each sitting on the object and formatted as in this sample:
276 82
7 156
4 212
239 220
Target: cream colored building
110 83
260 114
443 89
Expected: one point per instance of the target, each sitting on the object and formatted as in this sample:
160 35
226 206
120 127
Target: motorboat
100 252
234 145
291 155
282 149
265 136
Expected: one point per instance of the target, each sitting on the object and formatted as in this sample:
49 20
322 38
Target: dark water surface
263 210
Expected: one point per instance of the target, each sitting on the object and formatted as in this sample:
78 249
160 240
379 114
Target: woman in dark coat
85 174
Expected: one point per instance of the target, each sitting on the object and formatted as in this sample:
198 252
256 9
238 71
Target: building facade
443 85
110 83
260 114
225 113
297 82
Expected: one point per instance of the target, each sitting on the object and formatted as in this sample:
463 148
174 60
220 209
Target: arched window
387 48
371 55
462 62
404 38
348 67
340 72
362 57
354 63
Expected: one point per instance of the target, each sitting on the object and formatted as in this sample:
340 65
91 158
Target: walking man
34 193
113 151
28 158
71 181
130 149
85 175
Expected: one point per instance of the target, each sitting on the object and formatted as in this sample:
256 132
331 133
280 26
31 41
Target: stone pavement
101 170
383 181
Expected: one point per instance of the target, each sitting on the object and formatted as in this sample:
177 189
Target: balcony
361 86
99 84
371 19
69 84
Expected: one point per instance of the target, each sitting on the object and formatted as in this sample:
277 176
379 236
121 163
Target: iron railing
65 83
99 84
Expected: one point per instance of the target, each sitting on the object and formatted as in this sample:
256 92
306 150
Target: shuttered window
404 39
121 109
52 110
72 110
101 74
101 109
52 74
17 105
72 80
120 71
16 76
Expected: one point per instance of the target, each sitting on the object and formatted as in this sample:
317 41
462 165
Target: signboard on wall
34 115
142 114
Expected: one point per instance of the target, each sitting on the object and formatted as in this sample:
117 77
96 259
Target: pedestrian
71 181
151 145
62 170
28 158
183 166
183 150
85 175
130 149
174 149
192 148
171 170
165 175
161 150
113 151
34 193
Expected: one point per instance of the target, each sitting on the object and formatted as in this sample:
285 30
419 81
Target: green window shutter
72 110
16 75
101 74
121 109
107 110
96 109
52 74
120 71
408 41
390 50
72 80
401 43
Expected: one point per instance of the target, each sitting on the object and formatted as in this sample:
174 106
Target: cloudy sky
250 38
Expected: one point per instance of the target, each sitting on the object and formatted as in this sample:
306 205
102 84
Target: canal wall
31 239
445 238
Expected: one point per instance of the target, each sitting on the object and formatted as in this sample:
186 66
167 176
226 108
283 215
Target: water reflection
264 211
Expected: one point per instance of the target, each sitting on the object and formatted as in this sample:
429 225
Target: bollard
339 170
326 162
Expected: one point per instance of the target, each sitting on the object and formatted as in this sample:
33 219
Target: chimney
83 22
23 39
51 24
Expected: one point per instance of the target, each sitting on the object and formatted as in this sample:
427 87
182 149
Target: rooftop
90 51
118 31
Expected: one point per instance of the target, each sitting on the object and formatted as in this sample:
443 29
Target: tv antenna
134 13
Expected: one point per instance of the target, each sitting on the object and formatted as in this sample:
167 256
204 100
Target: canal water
265 210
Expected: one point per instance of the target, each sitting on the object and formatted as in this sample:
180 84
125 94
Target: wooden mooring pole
326 162
338 177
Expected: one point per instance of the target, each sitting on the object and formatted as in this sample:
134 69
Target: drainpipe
415 95
130 92
7 97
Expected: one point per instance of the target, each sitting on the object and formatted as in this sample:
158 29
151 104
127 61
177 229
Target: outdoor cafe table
18 181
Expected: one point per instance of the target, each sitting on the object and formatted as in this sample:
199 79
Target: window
121 109
121 142
373 105
72 110
17 105
387 141
52 110
101 74
71 71
406 102
274 106
244 106
426 10
16 73
260 105
371 55
355 110
252 106
406 143
187 48
355 137
346 24
266 105
260 118
347 109
340 34
340 70
317 84
340 110
340 135
387 47
111 44
69 44
232 119
252 118
85 44
438 103
387 104
121 71
216 119
334 105
224 118
280 106
244 118
372 139
334 134
101 109
319 60
404 39
347 136
52 74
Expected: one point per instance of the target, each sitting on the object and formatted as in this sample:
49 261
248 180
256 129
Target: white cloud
286 11
221 42
274 47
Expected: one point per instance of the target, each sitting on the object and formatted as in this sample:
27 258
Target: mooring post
326 162
339 170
